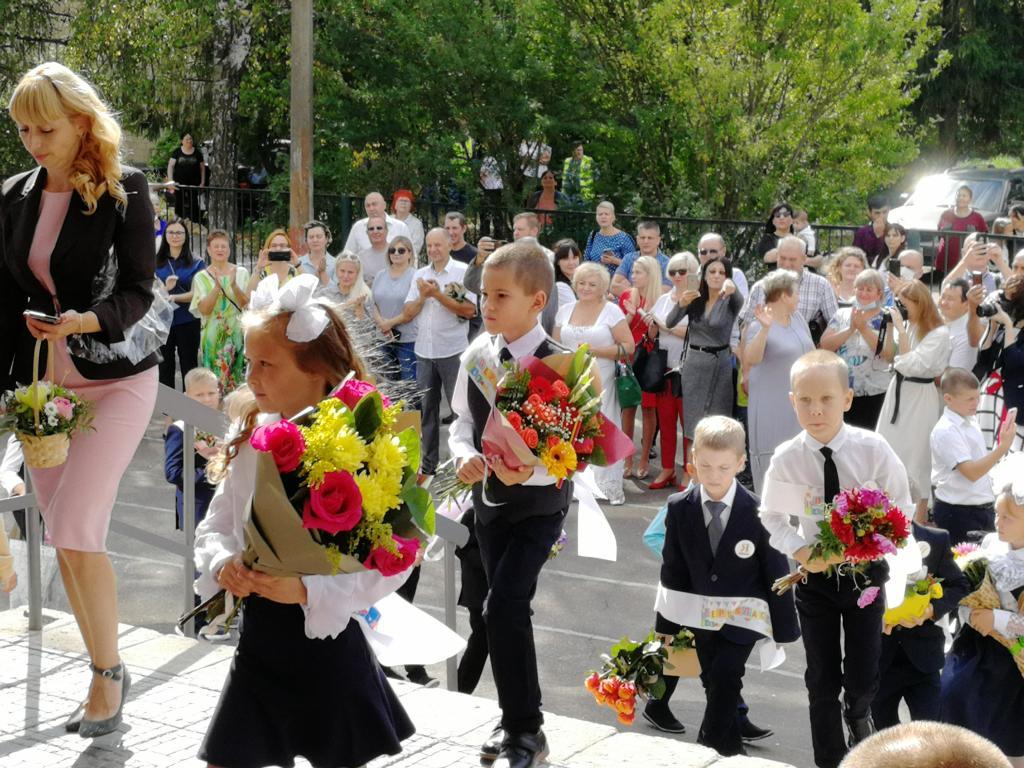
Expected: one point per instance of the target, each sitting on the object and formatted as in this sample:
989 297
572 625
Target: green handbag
626 385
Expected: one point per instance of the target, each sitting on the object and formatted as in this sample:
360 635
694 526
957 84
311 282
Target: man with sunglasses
648 243
374 205
712 246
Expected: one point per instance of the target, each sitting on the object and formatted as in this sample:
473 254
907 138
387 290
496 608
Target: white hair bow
309 318
1008 474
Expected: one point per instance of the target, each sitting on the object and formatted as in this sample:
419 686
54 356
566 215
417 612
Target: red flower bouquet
862 525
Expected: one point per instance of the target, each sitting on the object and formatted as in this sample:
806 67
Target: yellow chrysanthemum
391 413
378 496
387 457
330 448
559 460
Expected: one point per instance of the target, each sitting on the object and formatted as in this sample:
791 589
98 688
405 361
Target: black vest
514 502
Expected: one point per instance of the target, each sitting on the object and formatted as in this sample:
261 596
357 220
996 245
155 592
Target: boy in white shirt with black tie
964 499
807 472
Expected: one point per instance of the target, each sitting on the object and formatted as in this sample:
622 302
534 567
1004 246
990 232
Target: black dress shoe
523 750
860 729
490 748
661 717
750 732
448 419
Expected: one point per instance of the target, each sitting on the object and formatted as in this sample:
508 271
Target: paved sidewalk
175 684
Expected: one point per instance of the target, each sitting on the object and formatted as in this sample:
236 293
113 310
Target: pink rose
65 408
355 390
389 564
335 505
283 439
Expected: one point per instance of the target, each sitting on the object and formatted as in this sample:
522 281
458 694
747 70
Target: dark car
995 190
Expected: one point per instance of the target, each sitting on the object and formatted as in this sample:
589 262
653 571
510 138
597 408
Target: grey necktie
715 527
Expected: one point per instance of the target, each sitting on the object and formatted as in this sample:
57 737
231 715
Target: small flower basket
44 415
682 658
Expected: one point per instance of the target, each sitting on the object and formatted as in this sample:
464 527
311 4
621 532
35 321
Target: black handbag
650 363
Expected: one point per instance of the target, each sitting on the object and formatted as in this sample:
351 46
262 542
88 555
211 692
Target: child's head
237 402
800 220
202 386
516 282
960 391
819 384
718 454
1010 517
925 744
296 347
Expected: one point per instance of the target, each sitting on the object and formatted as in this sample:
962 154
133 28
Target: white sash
712 613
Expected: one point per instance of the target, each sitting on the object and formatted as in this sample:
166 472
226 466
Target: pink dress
77 498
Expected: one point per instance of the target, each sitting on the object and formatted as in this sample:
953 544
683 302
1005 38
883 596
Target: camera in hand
279 255
993 303
901 308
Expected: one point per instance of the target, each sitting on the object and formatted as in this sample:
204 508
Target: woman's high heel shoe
658 485
74 721
90 729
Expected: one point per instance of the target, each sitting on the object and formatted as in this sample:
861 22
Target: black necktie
831 475
505 356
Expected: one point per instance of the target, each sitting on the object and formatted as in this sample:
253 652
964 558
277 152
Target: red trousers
670 411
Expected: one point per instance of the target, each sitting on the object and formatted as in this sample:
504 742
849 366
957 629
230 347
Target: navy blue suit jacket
924 644
174 472
689 566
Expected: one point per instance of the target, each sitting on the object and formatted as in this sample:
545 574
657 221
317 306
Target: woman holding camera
861 334
77 243
912 402
277 257
1002 357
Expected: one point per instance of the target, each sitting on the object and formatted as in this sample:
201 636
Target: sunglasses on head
400 250
676 272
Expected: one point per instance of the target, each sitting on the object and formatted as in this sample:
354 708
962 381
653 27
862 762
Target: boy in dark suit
841 639
913 652
521 516
716 547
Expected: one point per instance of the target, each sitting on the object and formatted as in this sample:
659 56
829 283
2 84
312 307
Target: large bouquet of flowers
637 669
44 416
861 525
336 492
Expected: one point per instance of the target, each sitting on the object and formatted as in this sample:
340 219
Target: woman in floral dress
218 297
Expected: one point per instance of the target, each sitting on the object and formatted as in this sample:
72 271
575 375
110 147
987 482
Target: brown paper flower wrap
986 596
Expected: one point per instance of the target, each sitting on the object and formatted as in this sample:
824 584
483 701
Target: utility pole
301 199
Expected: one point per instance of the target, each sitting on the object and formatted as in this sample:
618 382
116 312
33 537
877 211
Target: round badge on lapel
744 548
925 547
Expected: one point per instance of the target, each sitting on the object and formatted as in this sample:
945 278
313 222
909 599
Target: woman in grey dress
771 344
707 368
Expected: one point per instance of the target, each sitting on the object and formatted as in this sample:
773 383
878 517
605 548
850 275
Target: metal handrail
195 415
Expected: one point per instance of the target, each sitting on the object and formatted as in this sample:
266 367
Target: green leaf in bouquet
409 439
368 416
421 507
652 648
579 365
656 689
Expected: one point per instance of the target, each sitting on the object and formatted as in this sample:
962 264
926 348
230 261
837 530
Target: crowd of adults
697 337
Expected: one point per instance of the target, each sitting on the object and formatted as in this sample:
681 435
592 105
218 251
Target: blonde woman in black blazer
77 242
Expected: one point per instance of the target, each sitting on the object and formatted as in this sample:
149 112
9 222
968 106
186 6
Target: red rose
389 564
541 388
355 390
560 389
534 401
530 437
335 505
515 420
284 440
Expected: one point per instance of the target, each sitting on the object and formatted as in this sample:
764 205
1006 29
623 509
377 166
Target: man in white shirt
958 304
374 205
441 335
964 498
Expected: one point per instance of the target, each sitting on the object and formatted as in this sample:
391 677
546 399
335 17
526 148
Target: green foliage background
690 107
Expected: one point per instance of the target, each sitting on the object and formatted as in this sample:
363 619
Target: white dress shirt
460 434
963 354
667 340
330 600
440 332
861 457
10 465
359 241
728 499
955 440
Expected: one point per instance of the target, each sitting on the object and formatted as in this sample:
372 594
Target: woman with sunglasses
348 291
912 402
671 338
779 224
390 287
176 267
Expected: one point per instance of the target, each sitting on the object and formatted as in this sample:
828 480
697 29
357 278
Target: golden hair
530 266
330 355
278 233
51 91
924 744
719 433
593 270
955 380
198 375
652 267
834 268
928 314
820 359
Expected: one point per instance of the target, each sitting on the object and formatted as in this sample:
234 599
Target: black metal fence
250 214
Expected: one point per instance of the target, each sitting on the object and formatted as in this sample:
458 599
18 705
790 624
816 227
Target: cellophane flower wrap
634 670
336 491
61 411
862 525
548 413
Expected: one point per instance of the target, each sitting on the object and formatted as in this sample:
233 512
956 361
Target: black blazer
924 644
689 565
82 249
